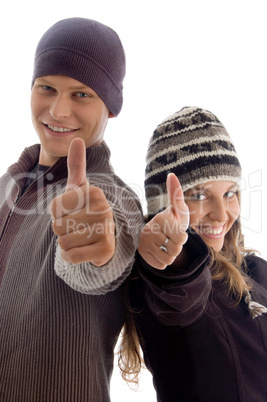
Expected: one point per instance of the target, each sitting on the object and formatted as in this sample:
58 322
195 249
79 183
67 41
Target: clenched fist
82 217
163 237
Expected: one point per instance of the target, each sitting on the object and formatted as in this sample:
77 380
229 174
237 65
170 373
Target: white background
210 54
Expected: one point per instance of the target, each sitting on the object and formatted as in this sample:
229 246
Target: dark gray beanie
194 145
87 51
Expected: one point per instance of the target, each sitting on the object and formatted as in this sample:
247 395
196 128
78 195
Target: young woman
197 296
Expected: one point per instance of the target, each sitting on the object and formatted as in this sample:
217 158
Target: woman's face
213 208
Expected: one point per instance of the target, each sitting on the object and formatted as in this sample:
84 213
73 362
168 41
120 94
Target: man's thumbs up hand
82 216
76 164
163 237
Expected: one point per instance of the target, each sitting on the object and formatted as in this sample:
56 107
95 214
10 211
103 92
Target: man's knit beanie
87 51
194 145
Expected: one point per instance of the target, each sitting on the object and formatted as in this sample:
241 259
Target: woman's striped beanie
193 144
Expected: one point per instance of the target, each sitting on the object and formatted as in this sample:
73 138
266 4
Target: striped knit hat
194 145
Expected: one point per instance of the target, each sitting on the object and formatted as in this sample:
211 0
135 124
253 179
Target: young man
69 226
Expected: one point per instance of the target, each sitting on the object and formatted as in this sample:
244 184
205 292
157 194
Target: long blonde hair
227 266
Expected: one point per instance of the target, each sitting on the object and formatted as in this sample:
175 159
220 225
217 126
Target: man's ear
110 115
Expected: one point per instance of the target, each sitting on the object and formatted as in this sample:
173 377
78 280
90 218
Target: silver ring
164 248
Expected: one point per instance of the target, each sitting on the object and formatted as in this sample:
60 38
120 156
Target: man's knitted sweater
59 321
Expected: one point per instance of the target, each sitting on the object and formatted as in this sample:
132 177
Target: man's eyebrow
81 87
43 81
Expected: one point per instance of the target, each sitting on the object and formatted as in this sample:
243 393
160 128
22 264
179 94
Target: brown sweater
59 322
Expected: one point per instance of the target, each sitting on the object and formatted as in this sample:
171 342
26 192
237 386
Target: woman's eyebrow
234 186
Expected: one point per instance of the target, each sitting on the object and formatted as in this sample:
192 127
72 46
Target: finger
152 261
176 197
97 253
149 248
175 192
84 235
156 258
76 164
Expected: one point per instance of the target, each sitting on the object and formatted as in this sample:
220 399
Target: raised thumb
174 189
176 198
76 164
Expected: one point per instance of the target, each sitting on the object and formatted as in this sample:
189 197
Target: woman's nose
220 211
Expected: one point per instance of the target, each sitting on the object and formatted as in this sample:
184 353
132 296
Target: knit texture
89 52
194 145
56 343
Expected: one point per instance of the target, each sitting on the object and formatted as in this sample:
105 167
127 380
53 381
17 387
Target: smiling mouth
211 231
59 129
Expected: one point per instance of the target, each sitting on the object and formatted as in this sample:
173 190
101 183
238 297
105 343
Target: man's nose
60 107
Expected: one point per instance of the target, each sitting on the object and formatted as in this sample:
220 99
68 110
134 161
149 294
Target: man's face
62 109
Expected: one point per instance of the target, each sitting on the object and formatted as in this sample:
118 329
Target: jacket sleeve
89 279
178 295
257 270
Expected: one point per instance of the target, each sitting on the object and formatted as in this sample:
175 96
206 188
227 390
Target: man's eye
47 88
82 95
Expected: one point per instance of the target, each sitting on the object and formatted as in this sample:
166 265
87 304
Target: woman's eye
198 197
230 194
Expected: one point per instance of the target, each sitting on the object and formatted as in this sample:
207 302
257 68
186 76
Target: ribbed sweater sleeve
85 277
127 214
